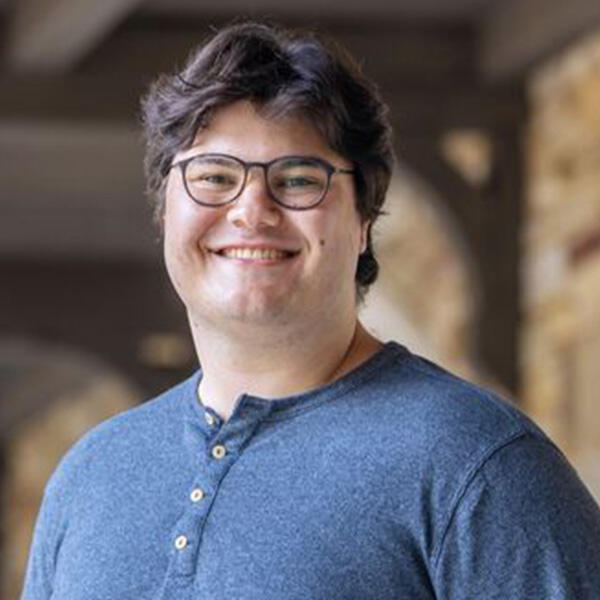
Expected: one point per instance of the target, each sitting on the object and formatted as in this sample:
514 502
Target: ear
364 235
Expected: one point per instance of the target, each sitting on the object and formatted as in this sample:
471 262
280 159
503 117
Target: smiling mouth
256 253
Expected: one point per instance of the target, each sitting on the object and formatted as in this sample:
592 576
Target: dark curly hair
285 73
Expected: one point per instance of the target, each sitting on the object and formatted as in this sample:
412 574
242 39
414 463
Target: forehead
246 131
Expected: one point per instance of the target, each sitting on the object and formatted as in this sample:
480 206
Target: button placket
219 450
199 500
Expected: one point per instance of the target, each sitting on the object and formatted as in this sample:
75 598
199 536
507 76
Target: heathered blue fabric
398 481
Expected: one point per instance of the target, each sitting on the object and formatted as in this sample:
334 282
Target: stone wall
560 349
74 392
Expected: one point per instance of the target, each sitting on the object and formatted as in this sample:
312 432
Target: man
305 459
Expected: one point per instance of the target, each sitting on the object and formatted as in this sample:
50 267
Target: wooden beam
518 34
103 309
415 109
72 98
73 190
488 221
462 202
419 111
55 36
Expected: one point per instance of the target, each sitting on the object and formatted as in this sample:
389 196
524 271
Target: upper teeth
255 253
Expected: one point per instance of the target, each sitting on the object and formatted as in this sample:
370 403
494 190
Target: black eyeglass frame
265 166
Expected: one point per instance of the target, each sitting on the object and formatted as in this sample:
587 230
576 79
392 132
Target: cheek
340 243
185 223
181 236
349 233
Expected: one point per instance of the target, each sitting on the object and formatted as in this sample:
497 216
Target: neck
272 366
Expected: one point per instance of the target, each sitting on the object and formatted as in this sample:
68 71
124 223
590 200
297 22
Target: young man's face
303 263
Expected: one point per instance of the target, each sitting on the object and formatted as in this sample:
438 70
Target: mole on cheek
322 242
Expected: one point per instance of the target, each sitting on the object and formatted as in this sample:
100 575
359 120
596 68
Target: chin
252 309
260 311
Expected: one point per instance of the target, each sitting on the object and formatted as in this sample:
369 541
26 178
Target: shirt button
181 542
197 495
209 418
219 451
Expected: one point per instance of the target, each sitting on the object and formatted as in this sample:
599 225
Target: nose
254 209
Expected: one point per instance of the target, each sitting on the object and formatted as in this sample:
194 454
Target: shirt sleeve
524 527
44 547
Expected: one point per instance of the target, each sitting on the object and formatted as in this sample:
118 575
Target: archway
51 395
427 291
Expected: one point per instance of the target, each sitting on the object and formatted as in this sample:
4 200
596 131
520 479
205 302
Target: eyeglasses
295 182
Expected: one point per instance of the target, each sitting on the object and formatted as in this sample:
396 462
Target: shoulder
496 485
102 464
128 436
446 428
438 409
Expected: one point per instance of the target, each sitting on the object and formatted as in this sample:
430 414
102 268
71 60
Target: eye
296 181
215 178
212 176
293 177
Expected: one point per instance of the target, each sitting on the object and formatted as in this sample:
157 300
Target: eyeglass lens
294 182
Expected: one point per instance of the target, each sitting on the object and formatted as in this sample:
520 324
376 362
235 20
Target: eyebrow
298 160
213 158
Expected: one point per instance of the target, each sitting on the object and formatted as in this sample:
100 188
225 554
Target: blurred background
490 251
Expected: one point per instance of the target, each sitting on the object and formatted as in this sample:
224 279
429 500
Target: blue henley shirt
398 481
